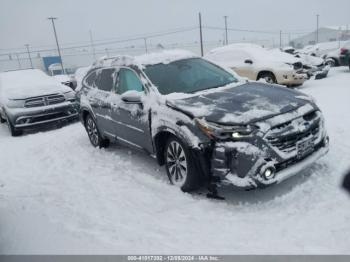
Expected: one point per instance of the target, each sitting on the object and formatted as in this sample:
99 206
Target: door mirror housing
132 97
248 61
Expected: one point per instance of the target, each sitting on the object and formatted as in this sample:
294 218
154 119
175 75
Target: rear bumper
31 118
344 60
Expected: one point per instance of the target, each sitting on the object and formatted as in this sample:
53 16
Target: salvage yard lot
59 195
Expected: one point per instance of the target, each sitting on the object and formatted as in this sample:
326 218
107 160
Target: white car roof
161 57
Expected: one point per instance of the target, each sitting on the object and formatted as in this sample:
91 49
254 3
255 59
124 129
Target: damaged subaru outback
203 122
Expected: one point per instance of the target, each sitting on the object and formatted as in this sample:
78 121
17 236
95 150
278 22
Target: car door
131 119
239 60
100 101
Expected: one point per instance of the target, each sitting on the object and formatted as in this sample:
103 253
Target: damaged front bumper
258 180
272 158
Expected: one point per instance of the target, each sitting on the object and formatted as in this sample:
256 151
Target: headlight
213 130
70 95
15 103
287 66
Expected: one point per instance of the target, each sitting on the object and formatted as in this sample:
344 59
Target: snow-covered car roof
161 57
255 51
22 84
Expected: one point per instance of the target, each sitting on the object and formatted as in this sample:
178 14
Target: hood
310 60
34 91
241 105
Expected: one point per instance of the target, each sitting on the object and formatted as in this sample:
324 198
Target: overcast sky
24 21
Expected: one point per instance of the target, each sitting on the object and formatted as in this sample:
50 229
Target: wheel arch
160 138
262 72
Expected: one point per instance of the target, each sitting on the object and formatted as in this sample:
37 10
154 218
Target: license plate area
305 147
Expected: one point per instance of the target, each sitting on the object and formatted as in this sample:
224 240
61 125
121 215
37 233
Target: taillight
343 51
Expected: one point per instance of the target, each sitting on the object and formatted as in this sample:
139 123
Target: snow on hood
23 84
242 104
164 57
280 56
310 60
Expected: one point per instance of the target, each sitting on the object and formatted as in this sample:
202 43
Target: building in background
325 34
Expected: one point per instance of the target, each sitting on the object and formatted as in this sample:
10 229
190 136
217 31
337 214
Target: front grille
35 102
283 165
55 99
287 141
44 100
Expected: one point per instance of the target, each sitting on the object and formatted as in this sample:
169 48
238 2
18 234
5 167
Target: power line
113 40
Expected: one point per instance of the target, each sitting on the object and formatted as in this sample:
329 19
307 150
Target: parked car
255 62
200 121
344 56
312 65
30 98
330 51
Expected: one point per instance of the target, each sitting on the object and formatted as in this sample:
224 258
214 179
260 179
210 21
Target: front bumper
29 118
258 181
284 149
291 78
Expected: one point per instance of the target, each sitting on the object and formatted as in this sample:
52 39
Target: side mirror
248 61
132 97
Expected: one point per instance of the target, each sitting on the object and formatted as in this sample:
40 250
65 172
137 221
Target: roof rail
113 60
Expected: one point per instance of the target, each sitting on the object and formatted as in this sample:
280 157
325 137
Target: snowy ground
59 195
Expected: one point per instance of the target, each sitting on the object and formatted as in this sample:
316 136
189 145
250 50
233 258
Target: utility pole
280 38
226 35
58 46
30 59
201 33
19 62
145 39
92 45
107 53
317 28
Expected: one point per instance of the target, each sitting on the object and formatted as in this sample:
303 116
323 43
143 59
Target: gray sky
24 21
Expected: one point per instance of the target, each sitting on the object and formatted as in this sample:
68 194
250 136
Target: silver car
30 98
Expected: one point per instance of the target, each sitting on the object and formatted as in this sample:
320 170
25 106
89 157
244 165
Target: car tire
331 62
94 134
269 77
13 130
2 120
180 165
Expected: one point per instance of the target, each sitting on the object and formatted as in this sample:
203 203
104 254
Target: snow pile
66 197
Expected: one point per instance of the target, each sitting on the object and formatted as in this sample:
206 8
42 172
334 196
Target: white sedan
255 62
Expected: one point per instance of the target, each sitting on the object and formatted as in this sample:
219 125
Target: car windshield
188 76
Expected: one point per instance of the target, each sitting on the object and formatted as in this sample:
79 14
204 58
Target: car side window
128 81
90 80
106 79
